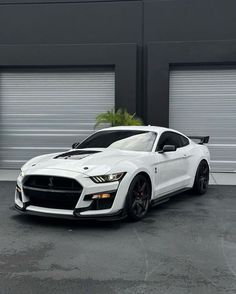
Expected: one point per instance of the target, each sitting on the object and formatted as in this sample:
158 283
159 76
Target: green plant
121 117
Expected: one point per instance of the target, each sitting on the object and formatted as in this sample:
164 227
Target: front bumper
83 208
75 215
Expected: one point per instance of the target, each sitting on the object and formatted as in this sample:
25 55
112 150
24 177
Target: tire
138 198
201 181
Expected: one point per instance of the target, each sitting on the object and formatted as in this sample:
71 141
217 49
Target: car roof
149 128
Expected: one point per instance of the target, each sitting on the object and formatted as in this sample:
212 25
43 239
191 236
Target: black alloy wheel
138 198
202 178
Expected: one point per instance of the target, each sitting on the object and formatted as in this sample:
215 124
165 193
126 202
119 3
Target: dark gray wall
189 20
71 23
141 39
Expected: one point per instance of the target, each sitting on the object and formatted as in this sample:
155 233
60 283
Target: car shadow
186 197
39 221
172 203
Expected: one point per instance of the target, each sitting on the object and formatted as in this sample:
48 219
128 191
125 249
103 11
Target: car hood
88 162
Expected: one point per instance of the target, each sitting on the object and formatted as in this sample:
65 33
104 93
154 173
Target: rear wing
203 139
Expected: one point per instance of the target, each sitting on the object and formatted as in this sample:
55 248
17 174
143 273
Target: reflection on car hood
88 162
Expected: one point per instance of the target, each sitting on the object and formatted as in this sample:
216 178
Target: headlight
107 178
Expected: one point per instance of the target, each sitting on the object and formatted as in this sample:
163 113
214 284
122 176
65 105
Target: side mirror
74 145
168 148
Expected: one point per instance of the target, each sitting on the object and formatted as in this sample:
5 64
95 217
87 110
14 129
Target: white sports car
114 173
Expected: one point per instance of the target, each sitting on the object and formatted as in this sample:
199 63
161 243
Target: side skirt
166 197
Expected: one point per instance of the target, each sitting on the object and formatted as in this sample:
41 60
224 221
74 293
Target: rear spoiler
203 139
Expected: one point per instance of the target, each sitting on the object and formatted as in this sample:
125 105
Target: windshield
121 139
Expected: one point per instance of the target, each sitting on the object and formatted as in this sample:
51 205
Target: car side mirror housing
168 148
74 145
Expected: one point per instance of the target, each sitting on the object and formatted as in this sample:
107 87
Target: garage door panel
204 129
57 118
31 146
55 109
223 152
47 128
203 102
45 112
223 166
13 157
40 140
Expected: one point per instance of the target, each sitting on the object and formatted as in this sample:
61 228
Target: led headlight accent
107 178
101 196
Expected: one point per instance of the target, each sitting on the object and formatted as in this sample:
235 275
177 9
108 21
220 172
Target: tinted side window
184 140
169 138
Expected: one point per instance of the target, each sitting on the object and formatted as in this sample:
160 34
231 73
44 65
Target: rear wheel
201 179
138 198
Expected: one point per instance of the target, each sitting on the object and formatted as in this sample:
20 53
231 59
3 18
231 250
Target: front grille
52 192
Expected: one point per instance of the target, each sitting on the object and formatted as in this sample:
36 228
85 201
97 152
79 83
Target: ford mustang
115 173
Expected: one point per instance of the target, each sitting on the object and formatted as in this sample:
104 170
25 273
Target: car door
172 167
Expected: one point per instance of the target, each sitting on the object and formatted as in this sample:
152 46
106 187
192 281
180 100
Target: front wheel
202 178
138 198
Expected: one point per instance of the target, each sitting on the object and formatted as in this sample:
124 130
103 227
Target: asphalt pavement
184 246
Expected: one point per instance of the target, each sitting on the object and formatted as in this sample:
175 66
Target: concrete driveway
187 245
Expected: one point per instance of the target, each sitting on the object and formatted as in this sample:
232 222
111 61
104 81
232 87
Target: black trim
98 204
26 212
52 190
166 197
119 215
25 204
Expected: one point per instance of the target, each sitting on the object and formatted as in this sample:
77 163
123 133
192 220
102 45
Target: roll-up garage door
203 102
46 111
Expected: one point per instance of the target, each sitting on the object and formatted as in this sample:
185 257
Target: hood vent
78 153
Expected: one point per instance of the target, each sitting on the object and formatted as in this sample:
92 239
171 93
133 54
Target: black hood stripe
75 153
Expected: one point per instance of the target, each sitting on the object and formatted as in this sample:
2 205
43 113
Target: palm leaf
121 117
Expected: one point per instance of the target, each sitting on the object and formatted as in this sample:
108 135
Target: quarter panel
198 153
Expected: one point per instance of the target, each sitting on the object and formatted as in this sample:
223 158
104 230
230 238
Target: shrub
121 117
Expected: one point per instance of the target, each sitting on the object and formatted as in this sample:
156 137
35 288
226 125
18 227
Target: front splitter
119 215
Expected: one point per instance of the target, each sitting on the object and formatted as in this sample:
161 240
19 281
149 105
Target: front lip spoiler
119 215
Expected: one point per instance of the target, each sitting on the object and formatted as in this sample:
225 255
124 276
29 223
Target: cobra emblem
50 184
